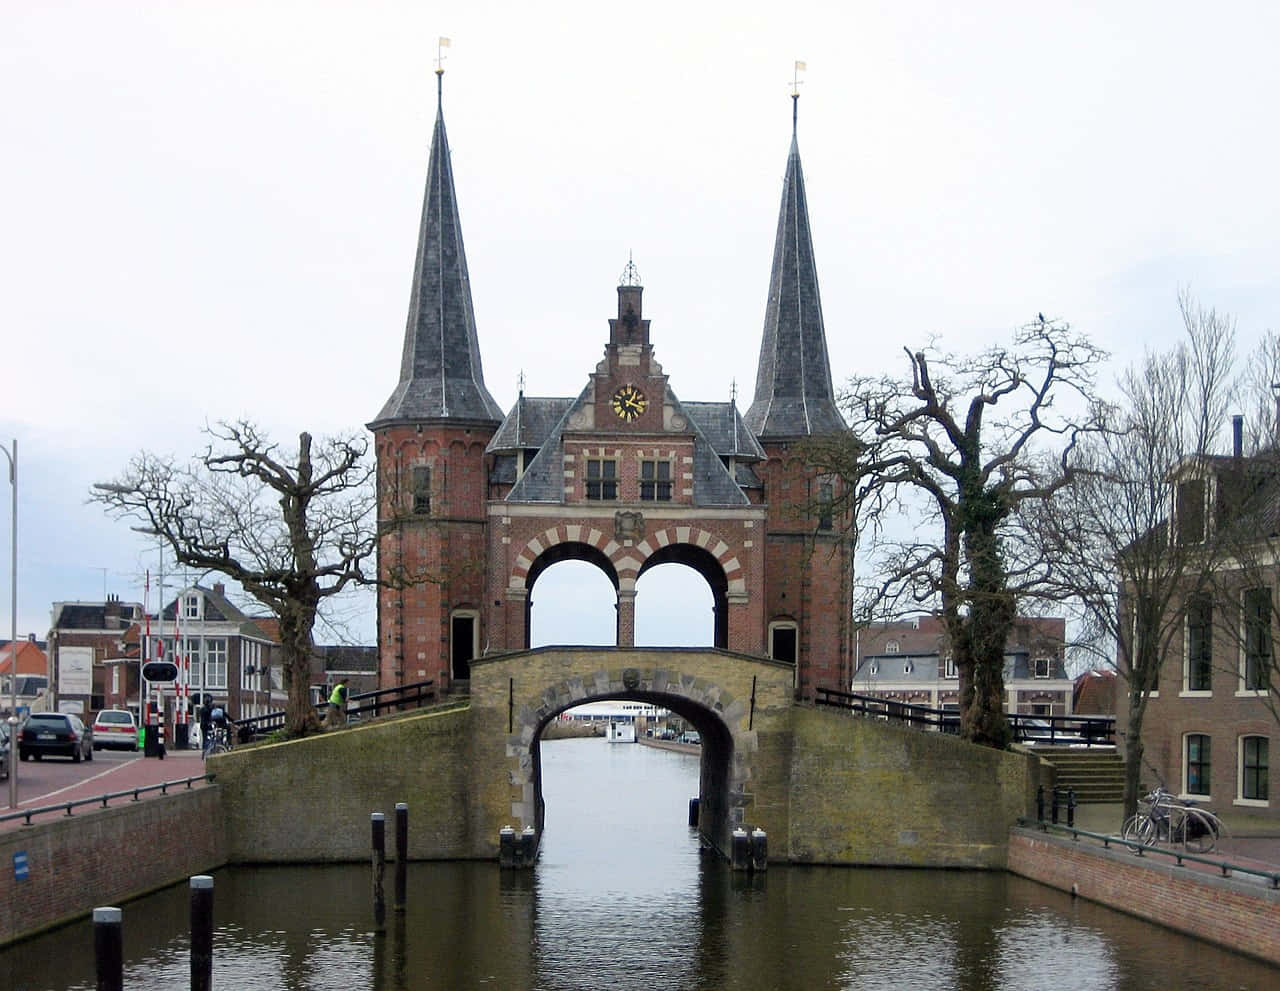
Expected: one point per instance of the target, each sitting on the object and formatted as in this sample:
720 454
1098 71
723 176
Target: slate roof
440 373
529 424
92 615
543 479
726 430
793 396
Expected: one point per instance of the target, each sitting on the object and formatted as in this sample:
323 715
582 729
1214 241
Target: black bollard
1071 807
378 822
108 948
740 850
693 812
201 932
506 847
759 850
1054 812
528 847
402 854
1039 803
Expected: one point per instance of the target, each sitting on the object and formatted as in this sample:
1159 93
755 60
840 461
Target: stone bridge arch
737 702
624 560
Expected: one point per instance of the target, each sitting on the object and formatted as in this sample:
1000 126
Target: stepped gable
793 396
440 372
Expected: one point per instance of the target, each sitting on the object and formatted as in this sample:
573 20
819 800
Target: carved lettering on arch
628 526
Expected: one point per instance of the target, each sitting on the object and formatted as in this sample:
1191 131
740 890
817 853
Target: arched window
892 647
1196 764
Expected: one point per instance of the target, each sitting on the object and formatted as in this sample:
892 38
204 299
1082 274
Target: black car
55 733
4 749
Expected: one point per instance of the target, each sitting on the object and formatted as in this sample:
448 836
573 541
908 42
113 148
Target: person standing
338 704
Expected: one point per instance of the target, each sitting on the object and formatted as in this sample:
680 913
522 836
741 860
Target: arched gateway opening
716 755
735 702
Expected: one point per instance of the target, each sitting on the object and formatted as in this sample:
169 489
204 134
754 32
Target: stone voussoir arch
628 560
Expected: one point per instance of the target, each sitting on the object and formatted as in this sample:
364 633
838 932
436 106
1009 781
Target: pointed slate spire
793 396
440 373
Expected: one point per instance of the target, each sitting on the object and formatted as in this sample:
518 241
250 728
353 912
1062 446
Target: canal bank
624 897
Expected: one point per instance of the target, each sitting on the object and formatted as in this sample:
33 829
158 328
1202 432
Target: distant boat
624 732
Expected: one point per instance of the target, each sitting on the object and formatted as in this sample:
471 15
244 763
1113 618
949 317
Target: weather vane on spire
796 81
441 44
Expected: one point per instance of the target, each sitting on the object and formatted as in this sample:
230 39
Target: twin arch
624 563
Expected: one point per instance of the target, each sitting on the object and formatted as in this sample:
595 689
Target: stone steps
1096 775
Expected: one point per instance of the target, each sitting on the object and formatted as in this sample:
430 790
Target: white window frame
785 624
191 605
949 669
1187 692
1186 792
892 647
1242 672
1036 667
1257 803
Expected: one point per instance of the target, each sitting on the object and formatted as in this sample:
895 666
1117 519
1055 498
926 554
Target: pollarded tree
952 454
294 529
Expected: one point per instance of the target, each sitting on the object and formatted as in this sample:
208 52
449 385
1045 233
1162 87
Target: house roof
31 658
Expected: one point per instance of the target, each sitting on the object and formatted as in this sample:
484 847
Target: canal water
622 899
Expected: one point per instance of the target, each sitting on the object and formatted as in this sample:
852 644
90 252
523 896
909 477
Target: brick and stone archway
624 561
734 701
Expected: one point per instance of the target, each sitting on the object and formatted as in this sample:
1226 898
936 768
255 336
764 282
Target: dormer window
1041 667
191 606
1190 511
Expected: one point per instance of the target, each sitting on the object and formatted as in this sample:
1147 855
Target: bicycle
219 741
1167 818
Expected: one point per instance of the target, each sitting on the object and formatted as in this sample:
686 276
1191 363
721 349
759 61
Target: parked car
55 733
115 728
690 736
4 750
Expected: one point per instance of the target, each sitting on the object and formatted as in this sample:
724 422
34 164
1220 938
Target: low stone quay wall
105 857
1239 913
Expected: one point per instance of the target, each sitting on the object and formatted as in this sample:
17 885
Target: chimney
1237 436
220 589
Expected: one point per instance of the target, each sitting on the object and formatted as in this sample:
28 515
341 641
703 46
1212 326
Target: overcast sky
210 208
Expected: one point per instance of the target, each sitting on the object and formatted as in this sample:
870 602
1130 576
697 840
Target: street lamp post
12 455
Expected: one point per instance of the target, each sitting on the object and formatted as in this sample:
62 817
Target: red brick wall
1231 912
106 856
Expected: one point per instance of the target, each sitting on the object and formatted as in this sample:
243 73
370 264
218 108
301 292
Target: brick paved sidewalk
139 772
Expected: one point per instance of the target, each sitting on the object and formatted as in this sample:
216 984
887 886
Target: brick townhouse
1208 728
909 661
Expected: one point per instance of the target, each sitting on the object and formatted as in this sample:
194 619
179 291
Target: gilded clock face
629 402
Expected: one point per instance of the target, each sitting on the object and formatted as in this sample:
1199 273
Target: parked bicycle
1165 818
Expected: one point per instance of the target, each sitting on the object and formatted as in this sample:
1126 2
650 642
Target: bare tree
293 529
953 454
1123 554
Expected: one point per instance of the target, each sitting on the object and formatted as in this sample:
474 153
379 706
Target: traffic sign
160 671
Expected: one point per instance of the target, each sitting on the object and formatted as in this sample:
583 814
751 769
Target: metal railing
385 700
1179 857
103 800
1089 731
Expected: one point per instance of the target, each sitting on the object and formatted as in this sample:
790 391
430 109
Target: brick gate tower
625 475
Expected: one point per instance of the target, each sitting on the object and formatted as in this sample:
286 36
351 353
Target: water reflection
623 899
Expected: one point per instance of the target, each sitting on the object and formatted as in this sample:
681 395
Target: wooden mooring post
201 932
108 947
378 824
402 854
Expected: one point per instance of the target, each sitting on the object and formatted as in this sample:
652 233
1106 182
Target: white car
115 728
